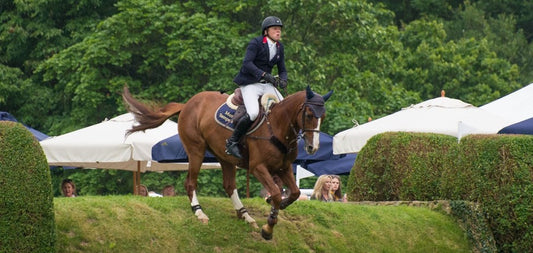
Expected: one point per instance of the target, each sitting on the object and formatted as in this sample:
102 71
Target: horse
267 152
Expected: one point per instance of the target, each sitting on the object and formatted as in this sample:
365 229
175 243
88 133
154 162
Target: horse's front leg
288 179
262 174
228 172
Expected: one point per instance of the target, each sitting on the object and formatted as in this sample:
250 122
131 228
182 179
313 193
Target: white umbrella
105 145
439 115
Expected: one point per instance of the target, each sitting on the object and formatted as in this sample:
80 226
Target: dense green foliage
500 172
492 170
26 203
400 166
63 63
137 224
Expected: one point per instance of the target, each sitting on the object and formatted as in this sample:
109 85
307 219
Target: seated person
321 191
169 191
336 189
143 190
68 188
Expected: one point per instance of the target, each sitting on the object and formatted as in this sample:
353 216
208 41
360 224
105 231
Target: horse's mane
291 98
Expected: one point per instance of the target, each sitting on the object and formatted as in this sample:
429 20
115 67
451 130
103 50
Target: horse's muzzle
310 149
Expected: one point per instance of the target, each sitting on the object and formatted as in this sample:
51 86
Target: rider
255 78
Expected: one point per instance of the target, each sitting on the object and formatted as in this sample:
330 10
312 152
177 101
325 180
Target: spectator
321 191
68 188
143 190
169 191
336 189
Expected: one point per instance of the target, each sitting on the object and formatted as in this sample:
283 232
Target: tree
157 49
466 69
501 32
32 31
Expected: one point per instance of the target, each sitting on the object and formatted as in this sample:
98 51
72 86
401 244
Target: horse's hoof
266 232
204 221
266 235
254 225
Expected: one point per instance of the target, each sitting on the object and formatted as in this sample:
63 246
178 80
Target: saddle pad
224 117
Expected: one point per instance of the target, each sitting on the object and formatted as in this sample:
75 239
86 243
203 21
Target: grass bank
137 224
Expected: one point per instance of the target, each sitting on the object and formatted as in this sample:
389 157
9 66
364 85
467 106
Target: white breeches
252 92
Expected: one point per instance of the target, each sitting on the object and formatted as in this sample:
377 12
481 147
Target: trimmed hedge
493 170
26 203
399 166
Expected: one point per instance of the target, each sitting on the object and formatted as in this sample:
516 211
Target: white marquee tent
515 107
439 115
105 145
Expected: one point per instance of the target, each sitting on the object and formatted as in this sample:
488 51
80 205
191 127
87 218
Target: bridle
278 143
315 104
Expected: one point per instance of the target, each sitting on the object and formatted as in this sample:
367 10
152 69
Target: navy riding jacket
256 62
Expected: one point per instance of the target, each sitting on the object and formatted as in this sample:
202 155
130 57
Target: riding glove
271 79
283 83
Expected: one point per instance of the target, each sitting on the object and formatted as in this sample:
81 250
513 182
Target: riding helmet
270 21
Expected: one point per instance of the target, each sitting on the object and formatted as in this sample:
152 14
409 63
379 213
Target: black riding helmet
270 21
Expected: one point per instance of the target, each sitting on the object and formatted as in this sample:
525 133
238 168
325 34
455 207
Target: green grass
137 224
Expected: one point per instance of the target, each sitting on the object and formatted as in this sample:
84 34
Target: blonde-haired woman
321 191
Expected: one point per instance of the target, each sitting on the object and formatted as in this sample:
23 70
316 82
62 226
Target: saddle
233 109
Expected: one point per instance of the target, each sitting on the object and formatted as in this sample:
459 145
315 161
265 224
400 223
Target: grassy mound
137 224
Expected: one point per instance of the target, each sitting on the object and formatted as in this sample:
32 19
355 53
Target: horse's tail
146 116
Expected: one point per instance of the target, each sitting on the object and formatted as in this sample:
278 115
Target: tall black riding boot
232 144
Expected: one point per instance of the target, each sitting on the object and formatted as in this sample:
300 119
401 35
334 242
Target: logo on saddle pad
234 109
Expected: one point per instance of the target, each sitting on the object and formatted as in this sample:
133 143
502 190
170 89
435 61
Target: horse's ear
326 97
310 93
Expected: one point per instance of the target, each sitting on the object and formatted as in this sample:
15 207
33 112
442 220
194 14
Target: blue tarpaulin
171 150
322 162
522 127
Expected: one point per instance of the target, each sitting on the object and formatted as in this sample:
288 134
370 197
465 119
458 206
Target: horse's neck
285 113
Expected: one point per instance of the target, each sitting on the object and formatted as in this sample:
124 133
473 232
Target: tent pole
138 176
135 183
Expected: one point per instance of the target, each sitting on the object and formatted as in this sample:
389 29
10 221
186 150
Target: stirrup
233 146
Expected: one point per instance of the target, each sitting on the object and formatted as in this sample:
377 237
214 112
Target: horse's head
313 113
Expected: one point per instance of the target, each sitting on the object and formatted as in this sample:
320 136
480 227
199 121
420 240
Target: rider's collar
266 39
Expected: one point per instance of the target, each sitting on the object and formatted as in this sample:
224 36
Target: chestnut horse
268 151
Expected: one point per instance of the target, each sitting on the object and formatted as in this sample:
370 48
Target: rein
277 142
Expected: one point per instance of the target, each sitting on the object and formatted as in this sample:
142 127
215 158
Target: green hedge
493 170
26 203
399 166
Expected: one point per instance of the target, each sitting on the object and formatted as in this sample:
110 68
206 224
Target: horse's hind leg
228 172
191 183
